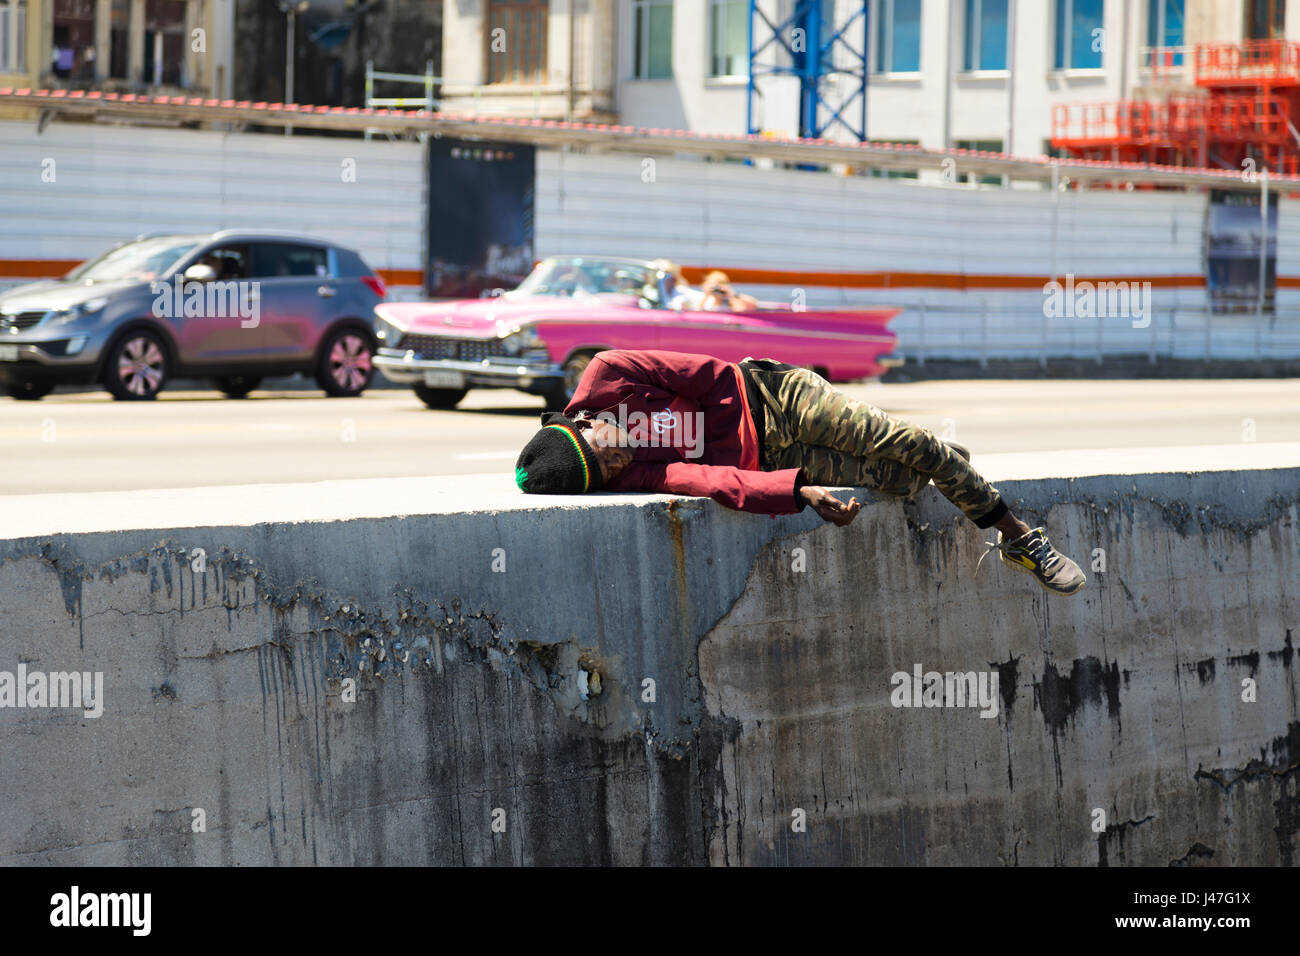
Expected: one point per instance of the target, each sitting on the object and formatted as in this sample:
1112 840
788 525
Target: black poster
1234 238
480 217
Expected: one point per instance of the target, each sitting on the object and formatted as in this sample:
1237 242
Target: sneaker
1034 554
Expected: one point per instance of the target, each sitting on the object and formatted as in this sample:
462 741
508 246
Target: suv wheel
137 367
444 398
236 386
345 368
30 390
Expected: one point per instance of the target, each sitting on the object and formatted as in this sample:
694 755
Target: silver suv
232 306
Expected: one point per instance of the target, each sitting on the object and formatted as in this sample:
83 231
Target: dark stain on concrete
1250 660
1059 697
1198 851
1276 767
1286 654
675 532
71 575
1007 673
1205 670
1117 831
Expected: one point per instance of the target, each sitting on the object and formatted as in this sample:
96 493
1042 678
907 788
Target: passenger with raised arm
719 296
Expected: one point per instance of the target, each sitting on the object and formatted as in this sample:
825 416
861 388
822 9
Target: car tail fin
375 285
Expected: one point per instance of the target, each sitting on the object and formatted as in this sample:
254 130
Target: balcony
1252 63
1177 122
1167 66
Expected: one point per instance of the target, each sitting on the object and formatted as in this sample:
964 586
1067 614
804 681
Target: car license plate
8 353
444 379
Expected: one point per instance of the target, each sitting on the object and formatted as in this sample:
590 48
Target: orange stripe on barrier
401 276
54 268
37 268
923 280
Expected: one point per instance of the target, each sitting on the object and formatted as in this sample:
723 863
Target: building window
1080 35
653 36
983 146
986 34
728 37
516 41
1265 19
1165 29
898 36
13 36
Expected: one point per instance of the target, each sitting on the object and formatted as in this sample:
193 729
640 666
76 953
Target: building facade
983 74
549 59
117 44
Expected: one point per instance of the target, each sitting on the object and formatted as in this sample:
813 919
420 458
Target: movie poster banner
1234 239
480 225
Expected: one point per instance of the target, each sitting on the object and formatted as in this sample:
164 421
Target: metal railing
1250 63
1167 64
614 138
426 102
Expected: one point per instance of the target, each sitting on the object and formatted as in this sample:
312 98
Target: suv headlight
89 307
389 333
522 340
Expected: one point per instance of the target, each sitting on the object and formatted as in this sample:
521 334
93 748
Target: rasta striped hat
557 460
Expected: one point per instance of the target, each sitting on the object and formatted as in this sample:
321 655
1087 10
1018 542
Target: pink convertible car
540 337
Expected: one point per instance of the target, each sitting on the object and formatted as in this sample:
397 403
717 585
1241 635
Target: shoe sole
1042 584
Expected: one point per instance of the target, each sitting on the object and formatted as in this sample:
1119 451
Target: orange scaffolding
1241 117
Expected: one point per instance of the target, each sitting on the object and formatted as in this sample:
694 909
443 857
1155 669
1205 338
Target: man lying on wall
763 437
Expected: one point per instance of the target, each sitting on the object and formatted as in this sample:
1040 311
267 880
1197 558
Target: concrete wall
772 686
74 189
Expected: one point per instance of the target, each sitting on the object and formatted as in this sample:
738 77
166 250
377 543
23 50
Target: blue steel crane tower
810 45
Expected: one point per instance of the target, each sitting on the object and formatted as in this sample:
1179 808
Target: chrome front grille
20 321
433 347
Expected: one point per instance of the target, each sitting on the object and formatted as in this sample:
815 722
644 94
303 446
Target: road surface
86 442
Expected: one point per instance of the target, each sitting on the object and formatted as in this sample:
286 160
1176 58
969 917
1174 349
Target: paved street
87 442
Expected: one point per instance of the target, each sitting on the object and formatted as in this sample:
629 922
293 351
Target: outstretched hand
829 507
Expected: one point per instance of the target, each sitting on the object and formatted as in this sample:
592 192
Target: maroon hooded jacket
655 395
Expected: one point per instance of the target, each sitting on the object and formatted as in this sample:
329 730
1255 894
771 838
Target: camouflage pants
839 440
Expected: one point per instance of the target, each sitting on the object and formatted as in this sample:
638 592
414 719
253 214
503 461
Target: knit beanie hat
557 460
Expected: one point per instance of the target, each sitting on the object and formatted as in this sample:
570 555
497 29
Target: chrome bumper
492 373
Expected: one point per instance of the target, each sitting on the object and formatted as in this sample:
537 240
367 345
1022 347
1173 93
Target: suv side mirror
200 272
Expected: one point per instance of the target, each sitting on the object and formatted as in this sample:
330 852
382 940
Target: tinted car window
228 262
277 260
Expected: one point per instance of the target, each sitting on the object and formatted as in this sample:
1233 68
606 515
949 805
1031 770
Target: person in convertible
763 437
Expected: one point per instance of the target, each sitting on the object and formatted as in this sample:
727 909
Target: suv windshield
583 276
142 260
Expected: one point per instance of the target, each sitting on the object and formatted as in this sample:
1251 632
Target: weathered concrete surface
225 688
